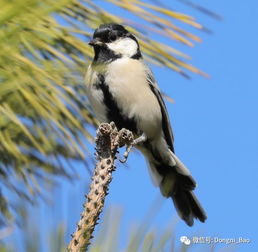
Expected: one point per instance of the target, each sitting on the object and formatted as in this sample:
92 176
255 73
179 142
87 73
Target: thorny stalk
108 140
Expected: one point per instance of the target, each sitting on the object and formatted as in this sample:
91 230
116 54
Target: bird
122 89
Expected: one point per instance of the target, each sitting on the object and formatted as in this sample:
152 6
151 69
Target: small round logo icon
184 239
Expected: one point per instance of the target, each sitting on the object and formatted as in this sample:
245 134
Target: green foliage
43 111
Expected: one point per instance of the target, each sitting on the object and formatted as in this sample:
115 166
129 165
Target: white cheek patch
125 46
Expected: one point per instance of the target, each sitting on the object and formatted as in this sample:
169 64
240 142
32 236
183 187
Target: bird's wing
165 118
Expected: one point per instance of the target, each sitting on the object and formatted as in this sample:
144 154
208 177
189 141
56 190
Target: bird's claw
138 140
126 154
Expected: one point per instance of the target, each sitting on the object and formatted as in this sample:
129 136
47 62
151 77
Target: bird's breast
95 94
126 80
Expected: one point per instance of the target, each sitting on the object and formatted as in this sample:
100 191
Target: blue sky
215 125
216 130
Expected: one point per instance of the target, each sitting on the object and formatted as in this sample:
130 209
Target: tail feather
187 206
185 182
175 181
179 187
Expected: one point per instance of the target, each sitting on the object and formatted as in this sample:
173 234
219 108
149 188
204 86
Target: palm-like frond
43 110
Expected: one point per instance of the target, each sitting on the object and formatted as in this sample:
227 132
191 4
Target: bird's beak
95 42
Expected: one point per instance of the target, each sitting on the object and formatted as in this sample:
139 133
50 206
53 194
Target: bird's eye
112 36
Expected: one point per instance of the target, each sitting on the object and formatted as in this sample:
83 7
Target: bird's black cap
106 33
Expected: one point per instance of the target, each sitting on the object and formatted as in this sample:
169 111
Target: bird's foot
140 139
129 146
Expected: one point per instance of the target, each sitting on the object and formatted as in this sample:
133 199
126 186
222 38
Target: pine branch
108 141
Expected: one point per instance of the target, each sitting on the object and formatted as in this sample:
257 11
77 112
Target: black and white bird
121 88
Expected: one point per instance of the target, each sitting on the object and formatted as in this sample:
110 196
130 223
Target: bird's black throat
103 54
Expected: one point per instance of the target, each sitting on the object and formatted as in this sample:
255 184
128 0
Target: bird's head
111 41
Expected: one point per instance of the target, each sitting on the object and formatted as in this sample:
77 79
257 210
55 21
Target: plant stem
108 141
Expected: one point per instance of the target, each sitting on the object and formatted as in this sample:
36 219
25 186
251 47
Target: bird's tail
180 188
175 181
186 203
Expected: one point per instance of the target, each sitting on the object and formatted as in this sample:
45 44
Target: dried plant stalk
108 141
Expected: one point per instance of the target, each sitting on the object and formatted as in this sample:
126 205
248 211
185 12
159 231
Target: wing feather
167 130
